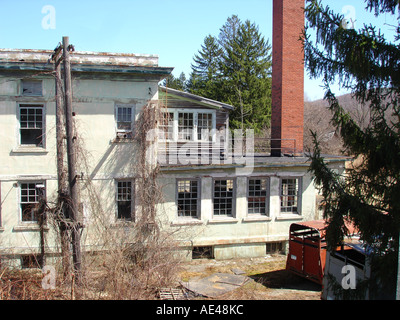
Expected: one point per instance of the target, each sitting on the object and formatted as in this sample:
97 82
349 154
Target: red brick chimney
287 78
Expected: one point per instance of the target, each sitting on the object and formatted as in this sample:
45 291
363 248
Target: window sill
29 227
29 149
223 220
187 222
257 218
123 223
293 216
123 140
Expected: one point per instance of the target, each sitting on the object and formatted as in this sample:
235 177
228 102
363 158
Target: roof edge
191 96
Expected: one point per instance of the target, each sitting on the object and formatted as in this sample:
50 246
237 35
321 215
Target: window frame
297 196
125 133
233 198
132 200
198 200
36 106
194 134
32 93
267 197
22 203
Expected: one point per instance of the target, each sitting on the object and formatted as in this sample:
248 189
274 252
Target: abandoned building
225 204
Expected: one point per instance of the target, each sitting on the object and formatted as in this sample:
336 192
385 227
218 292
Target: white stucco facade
100 86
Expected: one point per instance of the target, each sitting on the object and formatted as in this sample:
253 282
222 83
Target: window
167 126
31 123
30 196
257 196
274 247
223 197
30 261
31 87
124 115
204 126
289 195
125 200
188 125
188 198
185 126
202 253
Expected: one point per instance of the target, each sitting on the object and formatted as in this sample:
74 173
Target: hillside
317 118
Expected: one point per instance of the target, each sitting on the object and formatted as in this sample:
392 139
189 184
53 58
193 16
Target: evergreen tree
236 69
205 74
176 83
369 194
246 70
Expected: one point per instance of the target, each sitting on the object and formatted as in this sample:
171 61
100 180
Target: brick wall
287 77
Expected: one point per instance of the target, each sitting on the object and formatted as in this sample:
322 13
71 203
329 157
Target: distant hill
317 118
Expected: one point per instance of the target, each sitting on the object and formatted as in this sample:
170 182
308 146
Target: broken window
31 123
167 126
124 115
188 198
202 253
125 200
31 87
257 196
223 197
30 261
30 196
289 195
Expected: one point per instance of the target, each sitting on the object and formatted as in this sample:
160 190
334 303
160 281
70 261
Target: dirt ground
269 280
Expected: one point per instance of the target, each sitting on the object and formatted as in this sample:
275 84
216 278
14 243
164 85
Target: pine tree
176 83
236 69
205 74
246 70
369 194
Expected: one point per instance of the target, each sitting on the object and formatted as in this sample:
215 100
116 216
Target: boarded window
31 120
188 198
223 197
125 200
32 88
257 196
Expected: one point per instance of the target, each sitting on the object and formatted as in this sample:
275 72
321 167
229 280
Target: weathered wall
241 235
100 159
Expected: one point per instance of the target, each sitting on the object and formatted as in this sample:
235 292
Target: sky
172 29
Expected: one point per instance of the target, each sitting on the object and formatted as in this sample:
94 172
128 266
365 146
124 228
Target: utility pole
71 157
61 172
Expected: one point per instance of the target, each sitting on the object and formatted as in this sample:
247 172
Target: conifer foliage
366 63
235 68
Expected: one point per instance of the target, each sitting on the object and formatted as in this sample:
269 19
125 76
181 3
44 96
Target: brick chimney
287 78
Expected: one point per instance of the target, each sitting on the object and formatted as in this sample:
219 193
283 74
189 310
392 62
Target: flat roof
83 61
